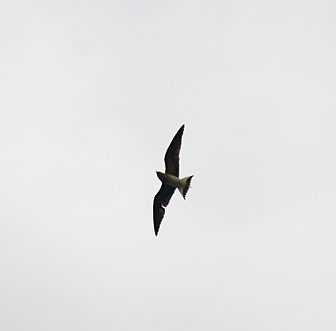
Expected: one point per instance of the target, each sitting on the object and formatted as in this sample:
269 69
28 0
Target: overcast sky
92 93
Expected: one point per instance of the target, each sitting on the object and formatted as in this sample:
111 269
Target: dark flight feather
172 157
161 199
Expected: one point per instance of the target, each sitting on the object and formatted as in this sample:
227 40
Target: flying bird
170 180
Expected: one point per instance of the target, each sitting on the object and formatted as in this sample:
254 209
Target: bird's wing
172 156
161 200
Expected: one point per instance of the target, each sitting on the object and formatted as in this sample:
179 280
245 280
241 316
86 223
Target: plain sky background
92 93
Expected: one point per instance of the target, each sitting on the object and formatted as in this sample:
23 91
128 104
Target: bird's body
182 184
170 180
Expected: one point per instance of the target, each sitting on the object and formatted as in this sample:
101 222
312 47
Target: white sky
92 94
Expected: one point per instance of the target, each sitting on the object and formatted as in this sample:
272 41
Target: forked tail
185 185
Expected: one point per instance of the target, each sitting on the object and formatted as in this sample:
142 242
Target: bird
170 180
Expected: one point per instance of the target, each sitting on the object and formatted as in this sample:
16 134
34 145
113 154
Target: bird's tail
185 185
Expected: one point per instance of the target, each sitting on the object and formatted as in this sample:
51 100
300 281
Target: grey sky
92 94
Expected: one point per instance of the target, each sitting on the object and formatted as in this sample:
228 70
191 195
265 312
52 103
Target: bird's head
159 174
